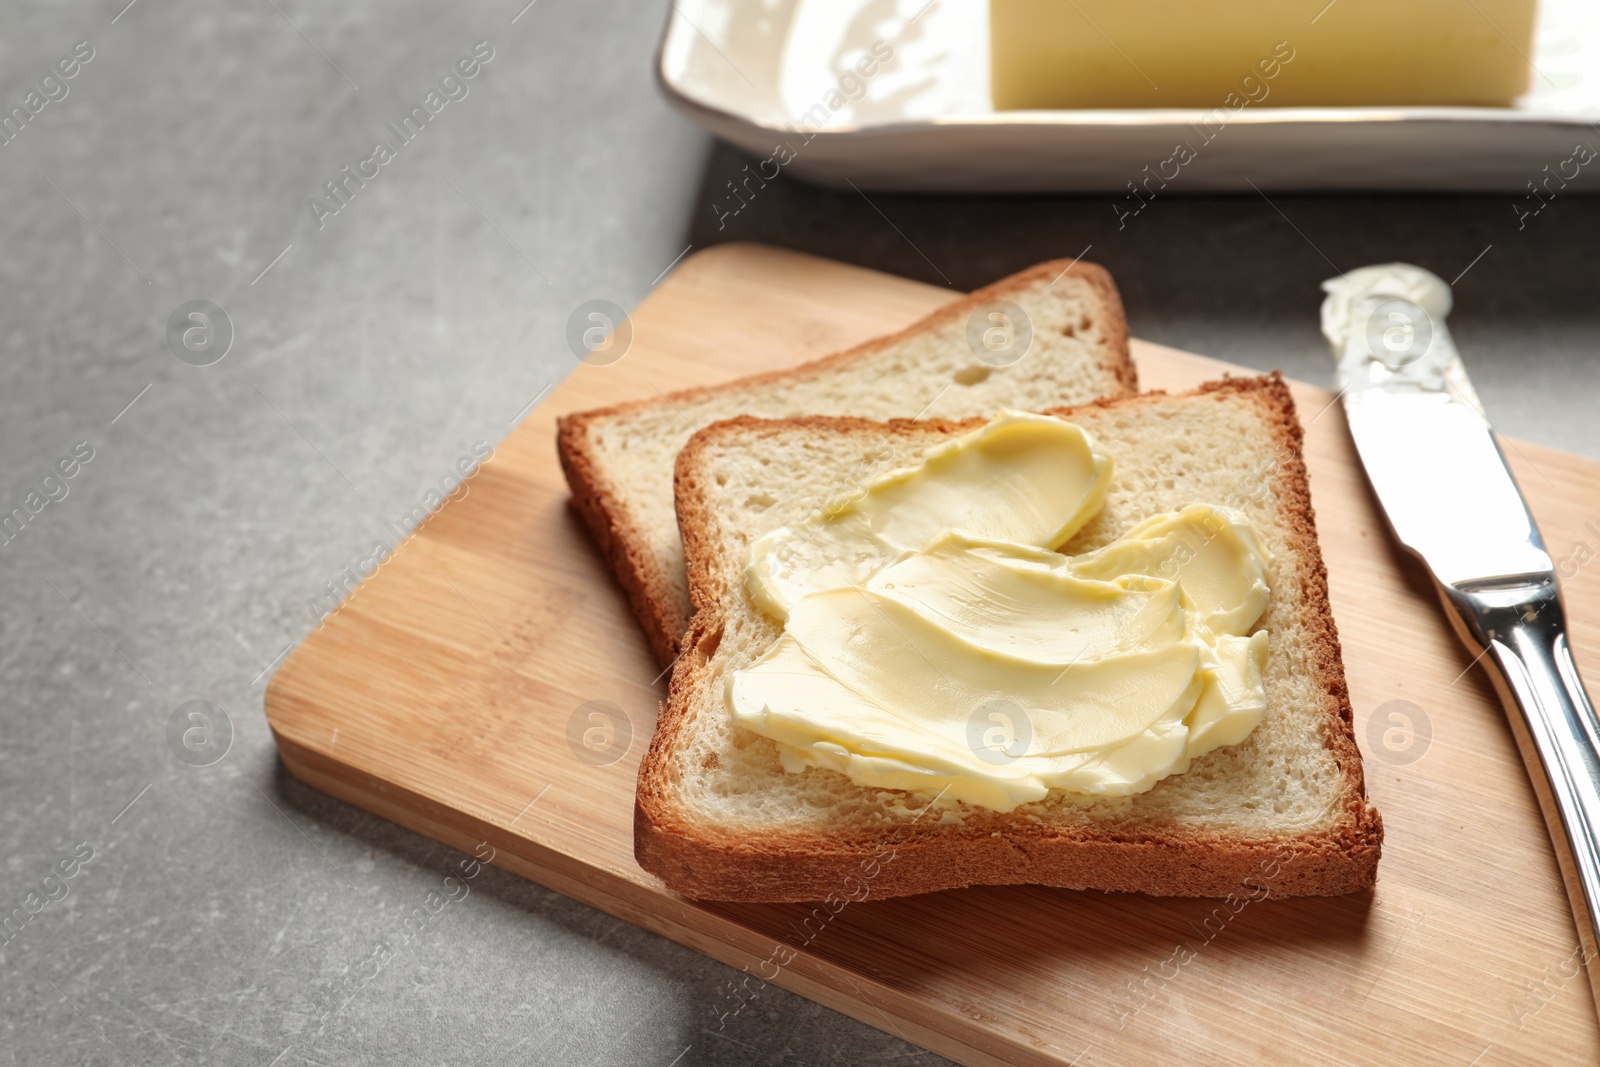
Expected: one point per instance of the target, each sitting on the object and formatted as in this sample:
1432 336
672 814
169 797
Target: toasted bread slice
1283 813
618 460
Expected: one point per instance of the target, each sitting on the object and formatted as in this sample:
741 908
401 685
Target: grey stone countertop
223 907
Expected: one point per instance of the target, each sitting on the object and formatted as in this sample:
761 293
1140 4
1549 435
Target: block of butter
1060 54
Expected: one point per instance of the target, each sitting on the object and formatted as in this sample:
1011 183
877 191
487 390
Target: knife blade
1436 466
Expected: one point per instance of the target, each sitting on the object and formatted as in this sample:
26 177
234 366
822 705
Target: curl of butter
1351 297
1046 474
934 642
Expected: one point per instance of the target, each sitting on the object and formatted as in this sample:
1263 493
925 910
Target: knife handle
1521 627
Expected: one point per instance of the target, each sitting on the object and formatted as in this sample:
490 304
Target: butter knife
1437 468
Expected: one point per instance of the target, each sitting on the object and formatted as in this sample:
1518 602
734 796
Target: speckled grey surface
230 915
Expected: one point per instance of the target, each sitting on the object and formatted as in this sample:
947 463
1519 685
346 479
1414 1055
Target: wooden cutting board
452 691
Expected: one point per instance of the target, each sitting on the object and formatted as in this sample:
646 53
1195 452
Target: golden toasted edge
616 533
619 535
703 862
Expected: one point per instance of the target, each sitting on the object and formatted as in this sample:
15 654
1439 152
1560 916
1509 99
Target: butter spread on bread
934 642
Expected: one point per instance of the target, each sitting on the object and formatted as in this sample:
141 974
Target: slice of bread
618 460
1283 813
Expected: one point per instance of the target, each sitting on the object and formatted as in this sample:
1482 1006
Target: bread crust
625 544
619 538
988 848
